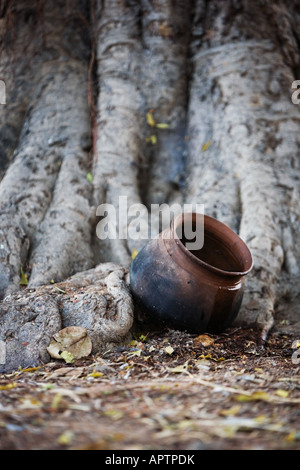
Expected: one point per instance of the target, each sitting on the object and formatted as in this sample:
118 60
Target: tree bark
240 101
44 195
217 75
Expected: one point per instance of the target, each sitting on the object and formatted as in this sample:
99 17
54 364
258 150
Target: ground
165 390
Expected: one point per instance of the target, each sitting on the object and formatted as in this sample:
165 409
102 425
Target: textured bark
166 32
240 101
17 76
97 300
120 117
218 73
44 195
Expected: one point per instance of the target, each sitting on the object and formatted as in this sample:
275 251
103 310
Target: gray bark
97 300
44 195
218 73
248 178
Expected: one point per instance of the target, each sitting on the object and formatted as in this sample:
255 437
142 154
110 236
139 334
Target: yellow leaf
169 350
65 438
231 411
56 400
282 393
133 254
67 357
59 290
31 369
152 139
135 353
262 419
259 395
206 146
89 177
114 414
95 374
8 386
291 437
23 280
162 125
150 119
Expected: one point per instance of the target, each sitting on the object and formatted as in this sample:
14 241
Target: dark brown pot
197 291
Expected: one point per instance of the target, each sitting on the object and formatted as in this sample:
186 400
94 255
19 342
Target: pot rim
224 229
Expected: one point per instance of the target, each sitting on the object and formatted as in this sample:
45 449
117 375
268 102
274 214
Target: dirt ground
164 390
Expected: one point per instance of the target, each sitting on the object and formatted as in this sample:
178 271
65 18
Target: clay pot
192 290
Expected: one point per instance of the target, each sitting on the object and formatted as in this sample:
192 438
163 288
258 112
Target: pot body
178 289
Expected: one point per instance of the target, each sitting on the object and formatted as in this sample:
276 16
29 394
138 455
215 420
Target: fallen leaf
67 357
206 146
70 343
162 125
152 139
204 340
59 290
8 386
114 414
23 280
134 253
169 350
165 30
30 403
95 374
150 119
89 177
255 396
282 393
65 438
231 411
180 369
31 369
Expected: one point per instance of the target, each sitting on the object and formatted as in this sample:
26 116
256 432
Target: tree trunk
244 59
193 105
44 195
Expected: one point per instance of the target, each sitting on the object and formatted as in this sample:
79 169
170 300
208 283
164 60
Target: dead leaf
255 396
114 414
204 340
23 280
282 393
150 119
231 411
206 146
70 343
180 369
67 357
89 177
162 125
8 386
169 350
152 139
65 438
